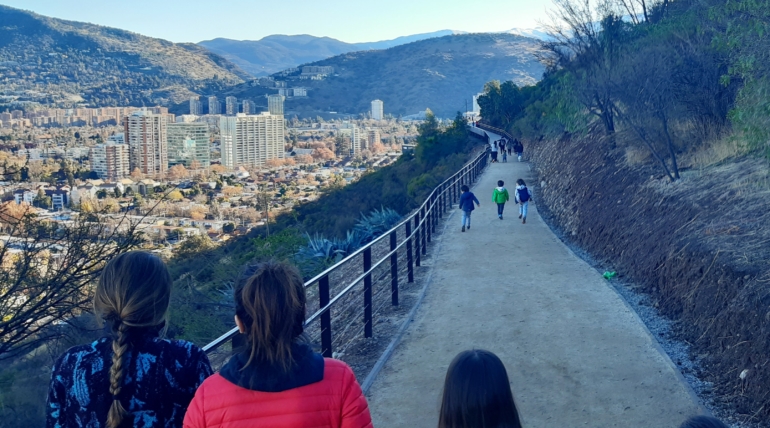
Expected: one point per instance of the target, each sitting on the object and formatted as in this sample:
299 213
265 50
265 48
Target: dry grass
716 152
637 155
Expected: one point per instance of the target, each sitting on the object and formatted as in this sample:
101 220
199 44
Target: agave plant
376 223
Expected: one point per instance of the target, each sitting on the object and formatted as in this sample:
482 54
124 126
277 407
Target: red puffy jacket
335 401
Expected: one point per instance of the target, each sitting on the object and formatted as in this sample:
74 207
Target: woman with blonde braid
132 378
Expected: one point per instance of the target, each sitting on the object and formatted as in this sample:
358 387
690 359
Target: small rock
746 277
743 374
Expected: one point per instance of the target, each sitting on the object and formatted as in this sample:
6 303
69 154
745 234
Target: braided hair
133 293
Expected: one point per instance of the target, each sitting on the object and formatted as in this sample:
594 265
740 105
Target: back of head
465 188
477 393
133 294
270 303
500 183
703 422
520 182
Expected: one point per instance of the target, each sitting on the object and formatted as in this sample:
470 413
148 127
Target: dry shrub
637 155
717 151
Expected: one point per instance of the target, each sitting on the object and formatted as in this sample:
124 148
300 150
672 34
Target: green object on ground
609 275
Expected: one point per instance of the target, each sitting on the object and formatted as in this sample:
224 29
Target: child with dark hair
522 198
131 378
277 379
467 198
500 197
703 422
477 393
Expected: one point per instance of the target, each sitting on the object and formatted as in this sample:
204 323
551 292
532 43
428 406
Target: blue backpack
523 195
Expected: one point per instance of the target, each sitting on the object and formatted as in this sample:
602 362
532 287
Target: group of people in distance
505 147
500 195
134 378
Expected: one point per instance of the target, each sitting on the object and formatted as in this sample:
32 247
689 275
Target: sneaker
463 230
469 227
500 217
524 221
519 215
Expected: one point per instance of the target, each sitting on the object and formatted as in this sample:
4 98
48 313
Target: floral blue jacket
159 381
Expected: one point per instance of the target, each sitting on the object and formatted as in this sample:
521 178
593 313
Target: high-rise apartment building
145 134
377 110
249 107
372 137
275 104
353 133
251 140
231 106
110 161
214 106
196 106
188 142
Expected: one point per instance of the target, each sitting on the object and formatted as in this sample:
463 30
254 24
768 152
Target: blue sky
346 20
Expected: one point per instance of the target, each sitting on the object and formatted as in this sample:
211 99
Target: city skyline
198 21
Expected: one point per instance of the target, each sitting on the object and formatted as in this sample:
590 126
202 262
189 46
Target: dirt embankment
699 247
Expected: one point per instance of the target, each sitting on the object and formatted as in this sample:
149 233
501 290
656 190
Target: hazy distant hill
55 61
279 52
439 73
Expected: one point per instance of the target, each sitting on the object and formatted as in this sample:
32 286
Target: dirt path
577 356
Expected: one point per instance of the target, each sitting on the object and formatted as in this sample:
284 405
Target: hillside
278 52
50 60
439 73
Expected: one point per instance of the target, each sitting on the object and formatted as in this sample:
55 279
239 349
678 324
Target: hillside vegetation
278 52
439 73
59 62
650 138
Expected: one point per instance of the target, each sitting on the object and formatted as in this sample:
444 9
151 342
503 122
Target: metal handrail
425 213
490 128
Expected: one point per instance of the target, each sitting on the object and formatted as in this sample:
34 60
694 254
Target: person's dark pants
500 209
494 156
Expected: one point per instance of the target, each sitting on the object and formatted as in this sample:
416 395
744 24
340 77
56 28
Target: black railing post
429 219
424 232
393 269
441 201
436 210
409 261
326 317
417 238
368 293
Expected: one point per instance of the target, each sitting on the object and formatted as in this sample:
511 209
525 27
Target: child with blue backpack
467 198
522 198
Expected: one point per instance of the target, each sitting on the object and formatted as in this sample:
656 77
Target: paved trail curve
577 356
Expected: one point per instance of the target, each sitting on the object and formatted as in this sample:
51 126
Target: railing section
365 284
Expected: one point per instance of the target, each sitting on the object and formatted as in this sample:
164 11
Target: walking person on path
467 199
477 393
494 151
522 198
132 378
518 147
500 196
277 380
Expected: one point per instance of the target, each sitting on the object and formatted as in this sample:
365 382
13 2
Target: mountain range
439 73
53 61
275 53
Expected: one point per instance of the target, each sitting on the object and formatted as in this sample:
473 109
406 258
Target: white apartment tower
196 106
377 110
145 134
110 161
275 104
231 106
188 142
251 140
354 133
214 106
249 107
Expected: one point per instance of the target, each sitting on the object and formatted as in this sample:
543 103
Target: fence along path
577 356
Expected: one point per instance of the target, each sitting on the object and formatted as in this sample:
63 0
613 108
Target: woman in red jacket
275 380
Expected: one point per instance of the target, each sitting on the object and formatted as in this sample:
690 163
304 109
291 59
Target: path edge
372 376
654 340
